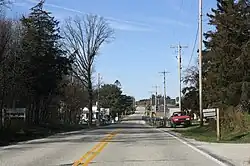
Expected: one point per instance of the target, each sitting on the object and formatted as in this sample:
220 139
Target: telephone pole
151 99
165 93
156 87
200 62
179 47
151 103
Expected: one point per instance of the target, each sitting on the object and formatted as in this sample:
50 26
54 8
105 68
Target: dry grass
233 122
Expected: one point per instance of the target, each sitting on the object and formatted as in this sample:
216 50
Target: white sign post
13 113
218 123
214 113
209 113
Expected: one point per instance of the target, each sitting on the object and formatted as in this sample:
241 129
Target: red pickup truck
180 118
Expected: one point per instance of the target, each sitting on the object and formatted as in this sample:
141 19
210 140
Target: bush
233 121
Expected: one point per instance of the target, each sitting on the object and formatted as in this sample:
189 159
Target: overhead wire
181 5
179 14
194 46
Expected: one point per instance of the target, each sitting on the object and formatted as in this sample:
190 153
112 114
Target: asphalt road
129 143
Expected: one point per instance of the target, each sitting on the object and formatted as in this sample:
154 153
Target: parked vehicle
180 118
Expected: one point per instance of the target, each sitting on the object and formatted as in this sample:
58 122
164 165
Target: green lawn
206 134
198 133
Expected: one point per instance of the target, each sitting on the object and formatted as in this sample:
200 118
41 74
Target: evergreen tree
46 64
226 65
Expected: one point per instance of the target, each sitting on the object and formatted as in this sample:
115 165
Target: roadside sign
209 113
13 113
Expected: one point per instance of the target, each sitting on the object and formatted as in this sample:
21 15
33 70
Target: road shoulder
228 153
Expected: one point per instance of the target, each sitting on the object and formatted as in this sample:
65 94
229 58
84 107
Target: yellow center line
89 152
76 163
98 151
90 155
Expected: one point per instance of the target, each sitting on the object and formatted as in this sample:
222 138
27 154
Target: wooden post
24 115
218 123
3 117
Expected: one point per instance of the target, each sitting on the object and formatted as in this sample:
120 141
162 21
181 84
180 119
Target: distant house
95 113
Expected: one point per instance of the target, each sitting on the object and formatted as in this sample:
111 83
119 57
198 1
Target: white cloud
128 27
119 24
114 22
168 21
21 4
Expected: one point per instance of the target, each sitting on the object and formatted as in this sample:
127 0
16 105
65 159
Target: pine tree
46 64
227 64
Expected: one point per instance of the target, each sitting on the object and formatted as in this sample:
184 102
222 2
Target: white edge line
196 149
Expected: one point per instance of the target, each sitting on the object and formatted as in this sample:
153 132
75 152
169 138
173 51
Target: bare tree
84 36
9 48
5 4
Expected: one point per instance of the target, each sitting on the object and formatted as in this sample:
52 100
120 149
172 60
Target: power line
193 50
181 5
179 13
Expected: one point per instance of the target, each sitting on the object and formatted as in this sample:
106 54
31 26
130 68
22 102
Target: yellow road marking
76 163
98 151
90 155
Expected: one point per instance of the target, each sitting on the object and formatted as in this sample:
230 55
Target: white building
95 113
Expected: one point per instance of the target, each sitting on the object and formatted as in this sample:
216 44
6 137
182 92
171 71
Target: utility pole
156 87
200 62
179 69
165 93
134 102
151 103
151 99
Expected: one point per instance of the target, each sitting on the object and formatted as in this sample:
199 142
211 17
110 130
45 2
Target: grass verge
206 134
198 133
235 128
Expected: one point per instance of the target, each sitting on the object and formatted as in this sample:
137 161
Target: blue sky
144 32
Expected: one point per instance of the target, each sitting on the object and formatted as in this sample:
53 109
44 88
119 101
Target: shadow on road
128 133
122 139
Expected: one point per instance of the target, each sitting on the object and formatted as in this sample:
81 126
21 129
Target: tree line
226 61
47 67
111 97
160 101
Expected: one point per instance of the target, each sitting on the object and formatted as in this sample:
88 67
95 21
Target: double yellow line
90 155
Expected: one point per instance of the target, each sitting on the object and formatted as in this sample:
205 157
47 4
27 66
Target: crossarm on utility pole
179 69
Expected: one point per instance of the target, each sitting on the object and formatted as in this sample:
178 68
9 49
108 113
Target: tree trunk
90 99
37 111
3 93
